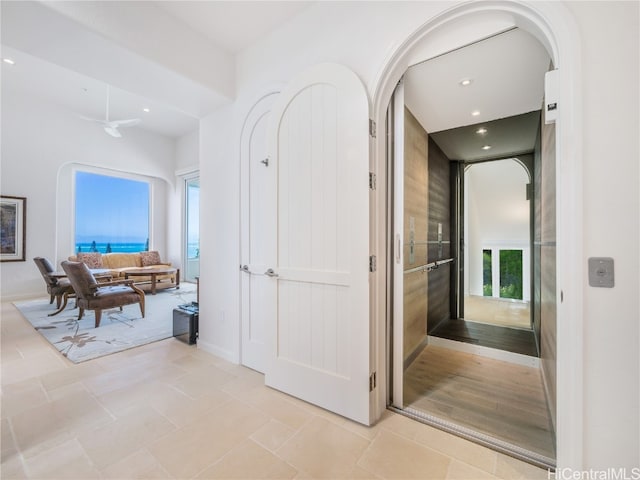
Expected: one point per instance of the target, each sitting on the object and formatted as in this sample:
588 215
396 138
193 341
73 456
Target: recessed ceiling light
146 110
466 82
475 113
481 131
9 61
486 147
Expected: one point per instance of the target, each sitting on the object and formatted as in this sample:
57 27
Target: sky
193 218
111 209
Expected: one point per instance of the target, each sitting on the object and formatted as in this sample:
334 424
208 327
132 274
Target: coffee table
153 272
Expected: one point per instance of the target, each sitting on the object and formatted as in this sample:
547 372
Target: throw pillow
91 260
150 258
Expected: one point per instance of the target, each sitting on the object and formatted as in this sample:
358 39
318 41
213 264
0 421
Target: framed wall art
13 221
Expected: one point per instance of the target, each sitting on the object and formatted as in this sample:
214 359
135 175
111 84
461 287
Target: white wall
611 205
362 36
40 142
188 152
219 331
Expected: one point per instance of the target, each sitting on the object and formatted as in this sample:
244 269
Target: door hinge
372 381
373 264
372 181
372 128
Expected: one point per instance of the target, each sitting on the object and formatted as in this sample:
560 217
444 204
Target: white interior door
319 338
397 103
259 234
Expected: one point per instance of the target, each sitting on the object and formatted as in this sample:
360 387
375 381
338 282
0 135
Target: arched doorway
556 31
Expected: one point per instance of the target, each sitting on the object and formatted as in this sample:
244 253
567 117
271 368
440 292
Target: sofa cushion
91 260
121 260
150 258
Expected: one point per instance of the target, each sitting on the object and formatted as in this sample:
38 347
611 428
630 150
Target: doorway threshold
513 340
485 440
496 354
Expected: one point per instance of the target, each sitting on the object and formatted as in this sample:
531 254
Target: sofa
119 263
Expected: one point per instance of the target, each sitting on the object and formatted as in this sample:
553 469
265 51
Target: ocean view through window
111 214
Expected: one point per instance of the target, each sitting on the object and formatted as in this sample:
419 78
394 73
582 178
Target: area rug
79 340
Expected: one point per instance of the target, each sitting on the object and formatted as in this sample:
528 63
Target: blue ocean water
86 247
193 249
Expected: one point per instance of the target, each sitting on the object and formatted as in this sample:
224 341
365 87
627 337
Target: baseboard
217 351
515 358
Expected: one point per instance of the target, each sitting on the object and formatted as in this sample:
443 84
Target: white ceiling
507 73
62 65
69 52
81 95
233 25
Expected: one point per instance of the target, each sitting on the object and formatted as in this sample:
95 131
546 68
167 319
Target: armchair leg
65 298
98 313
142 298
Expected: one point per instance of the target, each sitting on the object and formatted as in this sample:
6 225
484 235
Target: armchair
56 287
91 295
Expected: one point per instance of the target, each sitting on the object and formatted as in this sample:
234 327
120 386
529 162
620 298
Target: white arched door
318 331
258 224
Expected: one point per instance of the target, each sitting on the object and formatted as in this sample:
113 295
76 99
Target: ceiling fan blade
113 131
89 119
125 123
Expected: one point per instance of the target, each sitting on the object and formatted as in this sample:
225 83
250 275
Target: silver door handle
270 273
245 268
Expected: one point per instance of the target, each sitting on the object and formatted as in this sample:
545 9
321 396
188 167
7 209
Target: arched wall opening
553 26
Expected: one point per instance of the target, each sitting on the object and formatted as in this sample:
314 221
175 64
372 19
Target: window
111 214
511 274
192 228
487 275
503 273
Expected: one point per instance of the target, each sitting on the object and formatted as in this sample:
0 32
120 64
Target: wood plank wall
416 203
439 172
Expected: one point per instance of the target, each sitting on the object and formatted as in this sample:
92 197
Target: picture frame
13 221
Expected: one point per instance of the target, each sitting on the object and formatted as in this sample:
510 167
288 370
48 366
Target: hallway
500 399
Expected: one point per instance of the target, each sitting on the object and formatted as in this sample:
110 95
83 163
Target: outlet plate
601 272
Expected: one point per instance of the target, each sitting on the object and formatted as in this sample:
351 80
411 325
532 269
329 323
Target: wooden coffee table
153 272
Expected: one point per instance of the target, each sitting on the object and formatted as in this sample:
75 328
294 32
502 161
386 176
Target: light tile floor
503 312
169 410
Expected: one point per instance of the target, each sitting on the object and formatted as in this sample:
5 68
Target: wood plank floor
493 336
497 398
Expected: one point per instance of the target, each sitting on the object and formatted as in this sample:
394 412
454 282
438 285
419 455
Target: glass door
192 229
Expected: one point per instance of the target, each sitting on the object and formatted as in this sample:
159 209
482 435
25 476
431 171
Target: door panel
398 246
319 341
259 235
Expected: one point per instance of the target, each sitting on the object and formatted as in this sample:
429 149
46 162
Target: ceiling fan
111 126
